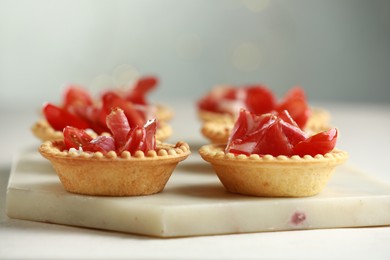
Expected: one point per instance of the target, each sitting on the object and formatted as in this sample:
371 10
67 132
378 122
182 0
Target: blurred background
338 50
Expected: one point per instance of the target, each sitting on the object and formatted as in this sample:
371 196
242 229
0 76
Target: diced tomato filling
320 143
76 95
142 87
119 126
75 138
139 138
59 117
112 100
276 134
257 99
79 109
295 103
101 144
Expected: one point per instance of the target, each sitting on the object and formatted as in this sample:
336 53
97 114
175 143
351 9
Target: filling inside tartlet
257 99
124 137
80 110
276 134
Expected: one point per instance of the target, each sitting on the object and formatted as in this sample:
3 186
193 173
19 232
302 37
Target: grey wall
336 49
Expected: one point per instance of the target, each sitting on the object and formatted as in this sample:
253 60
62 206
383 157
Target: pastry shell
270 176
207 116
112 174
217 127
42 130
164 113
318 121
217 132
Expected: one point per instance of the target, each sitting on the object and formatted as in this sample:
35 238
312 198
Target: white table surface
364 133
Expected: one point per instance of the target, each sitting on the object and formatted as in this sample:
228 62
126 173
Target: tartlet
271 176
114 174
269 155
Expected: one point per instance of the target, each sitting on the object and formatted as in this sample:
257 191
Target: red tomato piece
295 92
150 135
273 141
59 118
295 103
231 93
320 143
118 123
247 127
144 85
76 95
78 101
135 140
91 114
292 132
255 98
223 99
285 116
259 99
102 144
112 100
129 138
247 131
210 102
75 138
107 100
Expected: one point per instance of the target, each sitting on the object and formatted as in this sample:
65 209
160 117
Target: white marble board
194 203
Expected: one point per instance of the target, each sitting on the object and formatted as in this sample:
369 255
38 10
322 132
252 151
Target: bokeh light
256 5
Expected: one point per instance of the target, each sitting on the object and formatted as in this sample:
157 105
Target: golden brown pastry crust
318 121
164 113
45 132
164 131
113 174
207 116
271 176
217 132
